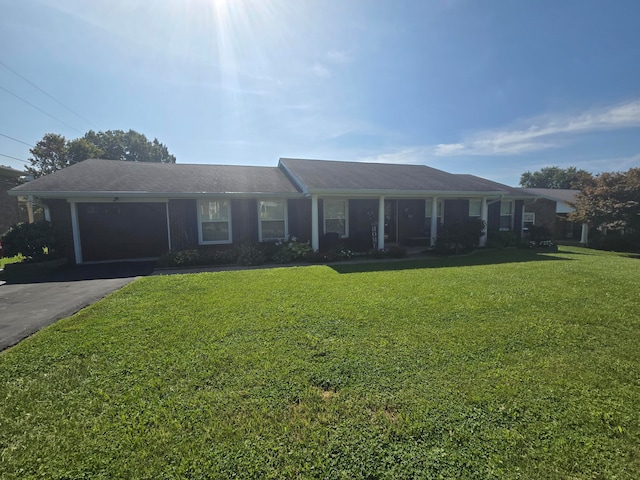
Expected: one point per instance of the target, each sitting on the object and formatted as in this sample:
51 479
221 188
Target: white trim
435 202
214 242
286 220
75 228
168 226
381 223
315 236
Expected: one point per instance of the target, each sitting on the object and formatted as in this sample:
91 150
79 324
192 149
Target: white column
381 223
584 236
434 221
166 207
30 209
47 213
315 237
75 227
484 216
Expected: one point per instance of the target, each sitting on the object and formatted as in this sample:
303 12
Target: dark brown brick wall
545 211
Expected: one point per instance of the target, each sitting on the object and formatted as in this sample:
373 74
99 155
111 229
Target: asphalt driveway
27 307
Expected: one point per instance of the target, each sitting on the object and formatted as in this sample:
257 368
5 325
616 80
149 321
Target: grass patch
6 260
507 364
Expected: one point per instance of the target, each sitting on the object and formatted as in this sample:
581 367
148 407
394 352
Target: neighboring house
551 209
9 208
111 210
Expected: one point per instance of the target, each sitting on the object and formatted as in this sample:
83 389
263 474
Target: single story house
105 210
551 209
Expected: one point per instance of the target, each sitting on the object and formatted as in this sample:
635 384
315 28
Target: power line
47 94
14 158
40 110
16 140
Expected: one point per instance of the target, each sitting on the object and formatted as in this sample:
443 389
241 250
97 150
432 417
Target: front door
391 221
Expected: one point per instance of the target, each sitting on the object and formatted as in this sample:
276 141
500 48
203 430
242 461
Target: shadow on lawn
76 273
493 257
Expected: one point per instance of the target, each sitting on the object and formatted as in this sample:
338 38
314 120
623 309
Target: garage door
115 231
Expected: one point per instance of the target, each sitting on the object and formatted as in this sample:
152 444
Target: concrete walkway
25 308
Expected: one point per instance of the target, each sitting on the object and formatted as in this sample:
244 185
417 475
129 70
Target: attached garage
119 231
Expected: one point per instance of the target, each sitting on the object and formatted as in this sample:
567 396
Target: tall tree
54 151
611 201
48 155
555 177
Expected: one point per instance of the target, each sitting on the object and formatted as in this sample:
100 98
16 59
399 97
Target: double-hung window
273 219
475 207
506 216
335 217
214 221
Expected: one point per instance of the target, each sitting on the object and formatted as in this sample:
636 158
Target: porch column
584 236
434 221
75 228
381 223
484 216
315 237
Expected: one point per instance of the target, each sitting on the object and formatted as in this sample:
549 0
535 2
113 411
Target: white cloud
544 132
339 56
320 70
405 156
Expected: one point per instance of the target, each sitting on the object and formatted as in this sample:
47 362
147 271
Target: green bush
290 250
250 254
36 241
498 239
460 236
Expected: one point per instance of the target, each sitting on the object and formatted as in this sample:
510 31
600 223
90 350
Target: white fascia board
78 196
366 193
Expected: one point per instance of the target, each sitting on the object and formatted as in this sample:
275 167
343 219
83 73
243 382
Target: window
335 217
506 216
475 207
273 219
214 221
528 219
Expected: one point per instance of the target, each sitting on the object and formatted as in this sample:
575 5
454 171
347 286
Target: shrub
33 240
459 236
498 239
291 250
539 233
617 242
250 254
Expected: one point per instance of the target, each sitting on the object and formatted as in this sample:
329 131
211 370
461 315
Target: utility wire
47 94
14 158
16 140
40 110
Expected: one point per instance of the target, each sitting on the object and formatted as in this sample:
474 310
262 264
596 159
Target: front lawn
503 364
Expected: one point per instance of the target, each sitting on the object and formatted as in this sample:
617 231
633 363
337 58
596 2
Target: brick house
550 209
105 210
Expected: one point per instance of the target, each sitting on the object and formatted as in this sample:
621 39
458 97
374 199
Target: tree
555 177
55 152
611 201
49 155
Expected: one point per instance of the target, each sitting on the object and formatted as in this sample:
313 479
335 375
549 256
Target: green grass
5 260
503 364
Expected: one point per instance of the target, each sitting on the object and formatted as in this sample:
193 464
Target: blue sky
491 88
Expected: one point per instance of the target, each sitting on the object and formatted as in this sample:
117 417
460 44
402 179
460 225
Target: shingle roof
113 176
325 175
556 194
490 184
